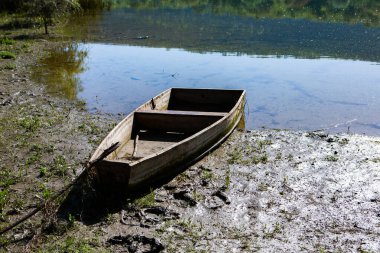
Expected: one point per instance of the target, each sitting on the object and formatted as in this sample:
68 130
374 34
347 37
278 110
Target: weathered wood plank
177 112
182 123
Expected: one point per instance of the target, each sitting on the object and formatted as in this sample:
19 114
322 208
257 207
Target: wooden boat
173 129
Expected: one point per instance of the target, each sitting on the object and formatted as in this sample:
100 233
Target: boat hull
162 166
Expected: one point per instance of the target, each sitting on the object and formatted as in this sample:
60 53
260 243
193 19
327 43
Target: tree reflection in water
59 71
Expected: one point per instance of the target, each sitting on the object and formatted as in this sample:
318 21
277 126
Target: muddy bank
261 191
43 139
266 191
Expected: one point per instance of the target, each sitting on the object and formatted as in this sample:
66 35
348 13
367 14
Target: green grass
146 201
30 123
46 192
60 165
6 41
206 174
227 179
331 158
73 245
8 66
7 55
262 143
235 156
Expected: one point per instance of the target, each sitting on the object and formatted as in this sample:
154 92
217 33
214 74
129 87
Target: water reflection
60 70
197 32
289 93
305 64
364 11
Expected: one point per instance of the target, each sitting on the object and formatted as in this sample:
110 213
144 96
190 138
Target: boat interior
169 118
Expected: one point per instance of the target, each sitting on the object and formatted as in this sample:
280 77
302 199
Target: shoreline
261 190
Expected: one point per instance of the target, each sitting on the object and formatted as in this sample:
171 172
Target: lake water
300 73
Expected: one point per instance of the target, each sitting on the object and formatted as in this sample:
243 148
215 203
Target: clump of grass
7 55
262 187
148 200
262 143
260 159
43 171
9 66
235 156
6 41
289 157
3 201
331 158
90 129
206 174
30 124
45 192
60 165
6 178
271 234
227 179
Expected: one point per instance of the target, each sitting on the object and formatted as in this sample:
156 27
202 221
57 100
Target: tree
49 9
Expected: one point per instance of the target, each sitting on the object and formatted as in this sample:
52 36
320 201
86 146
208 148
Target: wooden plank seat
178 112
174 121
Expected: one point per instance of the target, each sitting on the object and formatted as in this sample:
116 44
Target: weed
43 171
262 143
9 66
46 192
278 156
73 245
81 104
6 41
235 156
7 55
331 158
262 187
30 124
3 201
289 157
343 141
227 179
206 174
6 178
35 156
197 196
60 165
146 201
271 234
260 159
71 221
376 160
91 129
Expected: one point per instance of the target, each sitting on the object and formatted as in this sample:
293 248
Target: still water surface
299 73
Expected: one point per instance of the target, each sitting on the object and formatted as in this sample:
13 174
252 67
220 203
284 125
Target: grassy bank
43 139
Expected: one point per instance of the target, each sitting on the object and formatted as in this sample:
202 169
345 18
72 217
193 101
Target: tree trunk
46 25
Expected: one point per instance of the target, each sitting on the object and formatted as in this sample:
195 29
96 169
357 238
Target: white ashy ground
289 192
